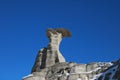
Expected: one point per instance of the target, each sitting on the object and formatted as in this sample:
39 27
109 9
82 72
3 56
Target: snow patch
112 71
30 75
79 79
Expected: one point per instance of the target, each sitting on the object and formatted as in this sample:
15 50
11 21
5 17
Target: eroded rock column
50 55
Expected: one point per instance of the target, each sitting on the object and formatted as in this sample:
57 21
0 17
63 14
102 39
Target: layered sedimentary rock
50 55
51 65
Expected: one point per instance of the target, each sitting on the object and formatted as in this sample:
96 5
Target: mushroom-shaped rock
49 56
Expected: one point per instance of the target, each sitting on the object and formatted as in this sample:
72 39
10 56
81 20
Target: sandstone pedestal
51 55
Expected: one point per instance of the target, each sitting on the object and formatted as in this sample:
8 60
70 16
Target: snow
104 63
67 74
79 79
59 75
112 70
95 77
110 63
30 75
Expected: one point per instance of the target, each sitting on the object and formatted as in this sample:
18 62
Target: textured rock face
74 71
51 65
49 56
112 73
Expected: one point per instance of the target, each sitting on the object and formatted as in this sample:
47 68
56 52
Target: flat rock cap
65 32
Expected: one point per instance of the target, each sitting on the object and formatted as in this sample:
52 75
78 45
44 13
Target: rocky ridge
51 65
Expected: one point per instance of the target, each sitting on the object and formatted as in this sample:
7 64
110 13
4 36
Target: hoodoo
51 65
50 55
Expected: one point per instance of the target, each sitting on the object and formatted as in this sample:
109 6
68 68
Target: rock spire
50 55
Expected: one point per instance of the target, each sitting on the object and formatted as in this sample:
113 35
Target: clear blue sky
94 24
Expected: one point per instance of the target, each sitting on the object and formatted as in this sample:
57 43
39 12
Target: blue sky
94 24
